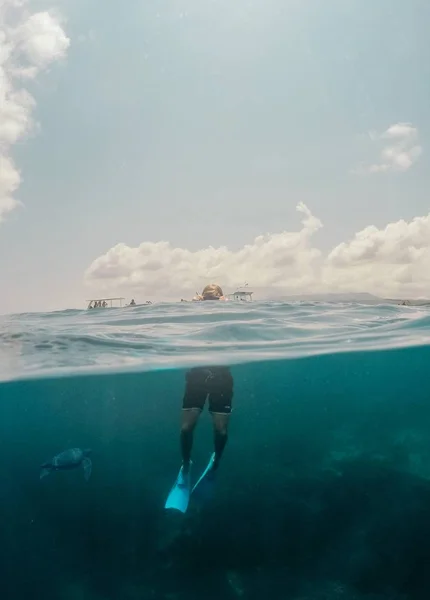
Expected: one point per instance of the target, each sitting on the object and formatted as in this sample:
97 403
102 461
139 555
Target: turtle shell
68 458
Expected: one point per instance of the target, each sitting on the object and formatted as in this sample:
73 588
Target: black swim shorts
214 383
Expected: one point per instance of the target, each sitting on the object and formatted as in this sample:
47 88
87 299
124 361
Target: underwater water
324 488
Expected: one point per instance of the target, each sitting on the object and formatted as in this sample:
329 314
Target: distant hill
279 294
360 297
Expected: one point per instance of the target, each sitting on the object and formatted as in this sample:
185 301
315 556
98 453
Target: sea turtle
69 459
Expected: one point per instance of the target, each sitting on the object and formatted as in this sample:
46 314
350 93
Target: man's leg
220 406
189 421
192 405
220 423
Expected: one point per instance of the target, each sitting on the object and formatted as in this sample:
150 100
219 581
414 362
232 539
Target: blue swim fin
204 486
179 495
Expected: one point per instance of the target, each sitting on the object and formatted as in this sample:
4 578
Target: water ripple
174 335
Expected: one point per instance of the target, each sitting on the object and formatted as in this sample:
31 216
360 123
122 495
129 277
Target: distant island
360 297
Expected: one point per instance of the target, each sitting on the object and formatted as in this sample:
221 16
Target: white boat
242 294
105 303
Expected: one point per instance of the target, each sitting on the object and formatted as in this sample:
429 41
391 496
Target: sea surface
323 492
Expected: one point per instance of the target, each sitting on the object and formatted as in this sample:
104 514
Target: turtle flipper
88 467
45 470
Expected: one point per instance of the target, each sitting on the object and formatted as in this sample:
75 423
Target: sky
147 151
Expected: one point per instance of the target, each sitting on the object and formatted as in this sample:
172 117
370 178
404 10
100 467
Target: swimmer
210 292
214 384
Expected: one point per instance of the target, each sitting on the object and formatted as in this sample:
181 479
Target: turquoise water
324 488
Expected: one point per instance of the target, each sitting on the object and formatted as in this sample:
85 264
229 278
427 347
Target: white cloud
394 261
164 270
391 261
400 148
29 43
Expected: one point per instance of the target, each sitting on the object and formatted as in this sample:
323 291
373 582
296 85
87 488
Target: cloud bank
400 148
390 262
29 44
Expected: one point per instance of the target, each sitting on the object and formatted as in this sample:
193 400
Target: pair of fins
179 496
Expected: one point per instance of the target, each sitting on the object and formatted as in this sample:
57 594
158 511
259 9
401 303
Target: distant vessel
241 294
133 303
105 303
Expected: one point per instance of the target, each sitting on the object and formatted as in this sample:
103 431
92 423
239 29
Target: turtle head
87 451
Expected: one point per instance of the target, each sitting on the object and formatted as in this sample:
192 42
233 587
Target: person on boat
132 302
214 384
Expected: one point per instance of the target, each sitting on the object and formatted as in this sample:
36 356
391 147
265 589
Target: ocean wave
177 335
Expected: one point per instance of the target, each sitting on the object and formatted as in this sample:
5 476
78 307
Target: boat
133 303
242 294
105 303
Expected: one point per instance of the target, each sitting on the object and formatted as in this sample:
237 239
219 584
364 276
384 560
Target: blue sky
204 124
